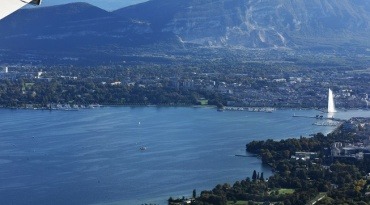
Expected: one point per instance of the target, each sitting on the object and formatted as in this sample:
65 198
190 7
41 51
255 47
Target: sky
108 5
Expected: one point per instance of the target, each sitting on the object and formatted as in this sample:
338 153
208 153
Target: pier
251 109
320 117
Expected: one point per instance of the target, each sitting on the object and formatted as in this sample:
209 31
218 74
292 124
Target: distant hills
308 24
71 26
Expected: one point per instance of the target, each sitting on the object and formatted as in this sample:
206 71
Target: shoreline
272 163
226 108
287 114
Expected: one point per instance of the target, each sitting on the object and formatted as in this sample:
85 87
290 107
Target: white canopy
9 6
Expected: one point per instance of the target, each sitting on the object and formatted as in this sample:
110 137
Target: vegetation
40 93
283 191
221 80
318 180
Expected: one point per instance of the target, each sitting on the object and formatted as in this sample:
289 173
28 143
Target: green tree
254 176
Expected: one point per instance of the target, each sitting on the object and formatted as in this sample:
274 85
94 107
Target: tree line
40 93
337 180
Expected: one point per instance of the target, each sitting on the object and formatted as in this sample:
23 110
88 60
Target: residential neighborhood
292 87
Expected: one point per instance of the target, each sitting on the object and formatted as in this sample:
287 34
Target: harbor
250 109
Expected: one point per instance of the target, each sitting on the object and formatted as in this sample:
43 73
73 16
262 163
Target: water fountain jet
331 105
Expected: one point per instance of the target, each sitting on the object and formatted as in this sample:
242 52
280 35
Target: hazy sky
104 4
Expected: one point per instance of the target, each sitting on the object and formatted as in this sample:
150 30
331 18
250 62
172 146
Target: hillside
256 23
335 26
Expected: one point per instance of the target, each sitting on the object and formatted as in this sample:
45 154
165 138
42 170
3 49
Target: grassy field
285 191
203 102
237 203
280 191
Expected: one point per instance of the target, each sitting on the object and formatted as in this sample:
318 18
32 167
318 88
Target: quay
251 109
320 117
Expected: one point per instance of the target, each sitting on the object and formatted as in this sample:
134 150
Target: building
304 155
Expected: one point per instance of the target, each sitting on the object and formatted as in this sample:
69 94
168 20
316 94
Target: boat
220 109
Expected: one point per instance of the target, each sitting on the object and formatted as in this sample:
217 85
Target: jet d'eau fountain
331 105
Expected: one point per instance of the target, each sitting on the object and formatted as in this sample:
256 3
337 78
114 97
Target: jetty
320 117
251 109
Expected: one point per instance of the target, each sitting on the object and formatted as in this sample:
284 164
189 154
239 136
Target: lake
94 157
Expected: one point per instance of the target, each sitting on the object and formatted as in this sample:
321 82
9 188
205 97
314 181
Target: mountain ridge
270 23
241 24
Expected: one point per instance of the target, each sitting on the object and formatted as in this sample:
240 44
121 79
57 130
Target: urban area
246 85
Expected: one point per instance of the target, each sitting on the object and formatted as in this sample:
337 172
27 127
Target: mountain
257 23
298 24
156 12
69 27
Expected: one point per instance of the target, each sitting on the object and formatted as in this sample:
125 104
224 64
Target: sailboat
142 148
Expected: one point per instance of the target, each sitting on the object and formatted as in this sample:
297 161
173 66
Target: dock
320 118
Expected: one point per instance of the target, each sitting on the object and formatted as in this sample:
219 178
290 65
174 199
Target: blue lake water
94 156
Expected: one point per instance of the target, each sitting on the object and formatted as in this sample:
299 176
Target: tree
194 193
254 176
262 178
